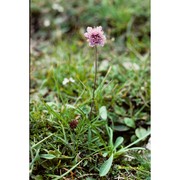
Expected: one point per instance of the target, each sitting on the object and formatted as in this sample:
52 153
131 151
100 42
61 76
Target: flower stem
95 78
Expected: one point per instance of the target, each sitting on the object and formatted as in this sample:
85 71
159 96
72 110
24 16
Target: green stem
95 78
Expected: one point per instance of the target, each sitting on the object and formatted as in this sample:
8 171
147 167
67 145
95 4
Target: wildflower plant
95 37
66 140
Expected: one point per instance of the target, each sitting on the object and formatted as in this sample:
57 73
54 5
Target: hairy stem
95 78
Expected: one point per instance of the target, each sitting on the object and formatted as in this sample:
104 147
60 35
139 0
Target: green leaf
140 132
118 142
47 156
38 177
90 178
129 122
66 157
119 110
105 167
133 138
103 112
121 128
110 137
89 135
105 154
86 109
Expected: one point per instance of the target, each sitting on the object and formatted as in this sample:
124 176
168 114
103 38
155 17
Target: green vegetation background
59 50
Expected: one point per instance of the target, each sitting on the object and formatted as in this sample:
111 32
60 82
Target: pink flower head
95 36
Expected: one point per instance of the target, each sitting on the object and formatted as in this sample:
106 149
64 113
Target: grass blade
35 145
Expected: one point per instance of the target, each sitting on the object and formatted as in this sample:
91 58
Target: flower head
95 36
73 124
66 80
